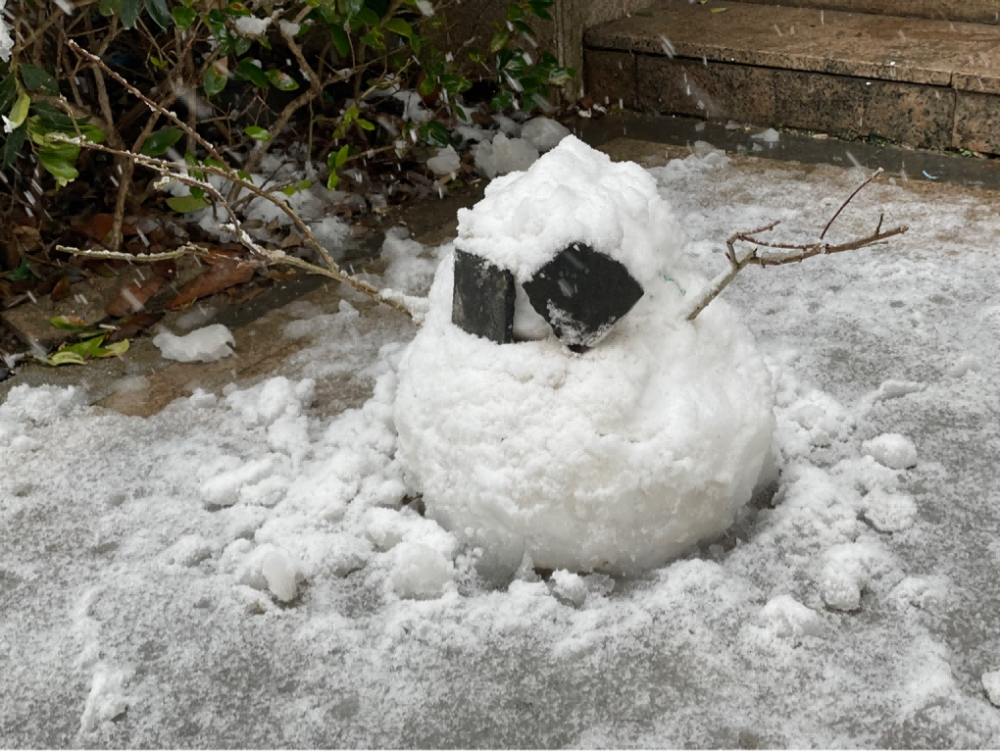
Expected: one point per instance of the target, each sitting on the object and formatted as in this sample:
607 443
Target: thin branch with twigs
807 250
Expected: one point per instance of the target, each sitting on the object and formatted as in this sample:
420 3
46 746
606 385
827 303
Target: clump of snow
445 162
570 587
892 450
251 26
413 106
419 572
268 568
769 136
206 344
601 462
785 616
889 512
991 683
544 133
6 42
504 155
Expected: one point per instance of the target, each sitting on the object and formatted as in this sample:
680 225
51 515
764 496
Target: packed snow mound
573 194
613 461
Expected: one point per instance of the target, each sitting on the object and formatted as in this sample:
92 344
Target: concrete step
971 11
920 82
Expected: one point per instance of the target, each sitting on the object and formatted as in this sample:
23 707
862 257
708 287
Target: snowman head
580 234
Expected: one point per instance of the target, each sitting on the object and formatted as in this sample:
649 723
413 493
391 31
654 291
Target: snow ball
445 162
890 512
570 587
512 154
991 683
419 572
206 344
784 616
508 126
892 450
544 133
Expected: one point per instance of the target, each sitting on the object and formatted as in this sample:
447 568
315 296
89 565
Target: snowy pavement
239 570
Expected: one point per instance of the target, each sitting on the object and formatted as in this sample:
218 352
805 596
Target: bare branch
857 190
804 251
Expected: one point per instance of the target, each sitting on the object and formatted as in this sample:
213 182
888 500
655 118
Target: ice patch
206 344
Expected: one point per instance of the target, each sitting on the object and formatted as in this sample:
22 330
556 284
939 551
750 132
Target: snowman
557 406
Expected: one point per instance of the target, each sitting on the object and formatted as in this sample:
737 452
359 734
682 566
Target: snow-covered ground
239 571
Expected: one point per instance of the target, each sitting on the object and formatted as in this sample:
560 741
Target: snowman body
613 460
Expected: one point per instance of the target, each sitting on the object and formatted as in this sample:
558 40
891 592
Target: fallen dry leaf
98 226
61 290
221 275
132 297
129 328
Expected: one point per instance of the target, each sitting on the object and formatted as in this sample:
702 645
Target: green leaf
499 40
65 357
249 71
19 112
332 181
502 101
197 192
59 168
291 190
184 16
118 348
341 157
365 124
157 62
158 143
365 17
130 12
243 45
159 12
340 40
38 79
185 204
12 146
22 273
67 323
213 82
8 92
399 26
109 7
374 39
281 80
540 8
717 10
435 134
257 133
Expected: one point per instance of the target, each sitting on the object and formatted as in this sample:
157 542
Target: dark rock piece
582 294
5 372
483 300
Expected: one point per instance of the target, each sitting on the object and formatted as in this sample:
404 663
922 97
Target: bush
242 77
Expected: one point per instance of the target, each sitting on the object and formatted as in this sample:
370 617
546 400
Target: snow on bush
617 460
6 42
